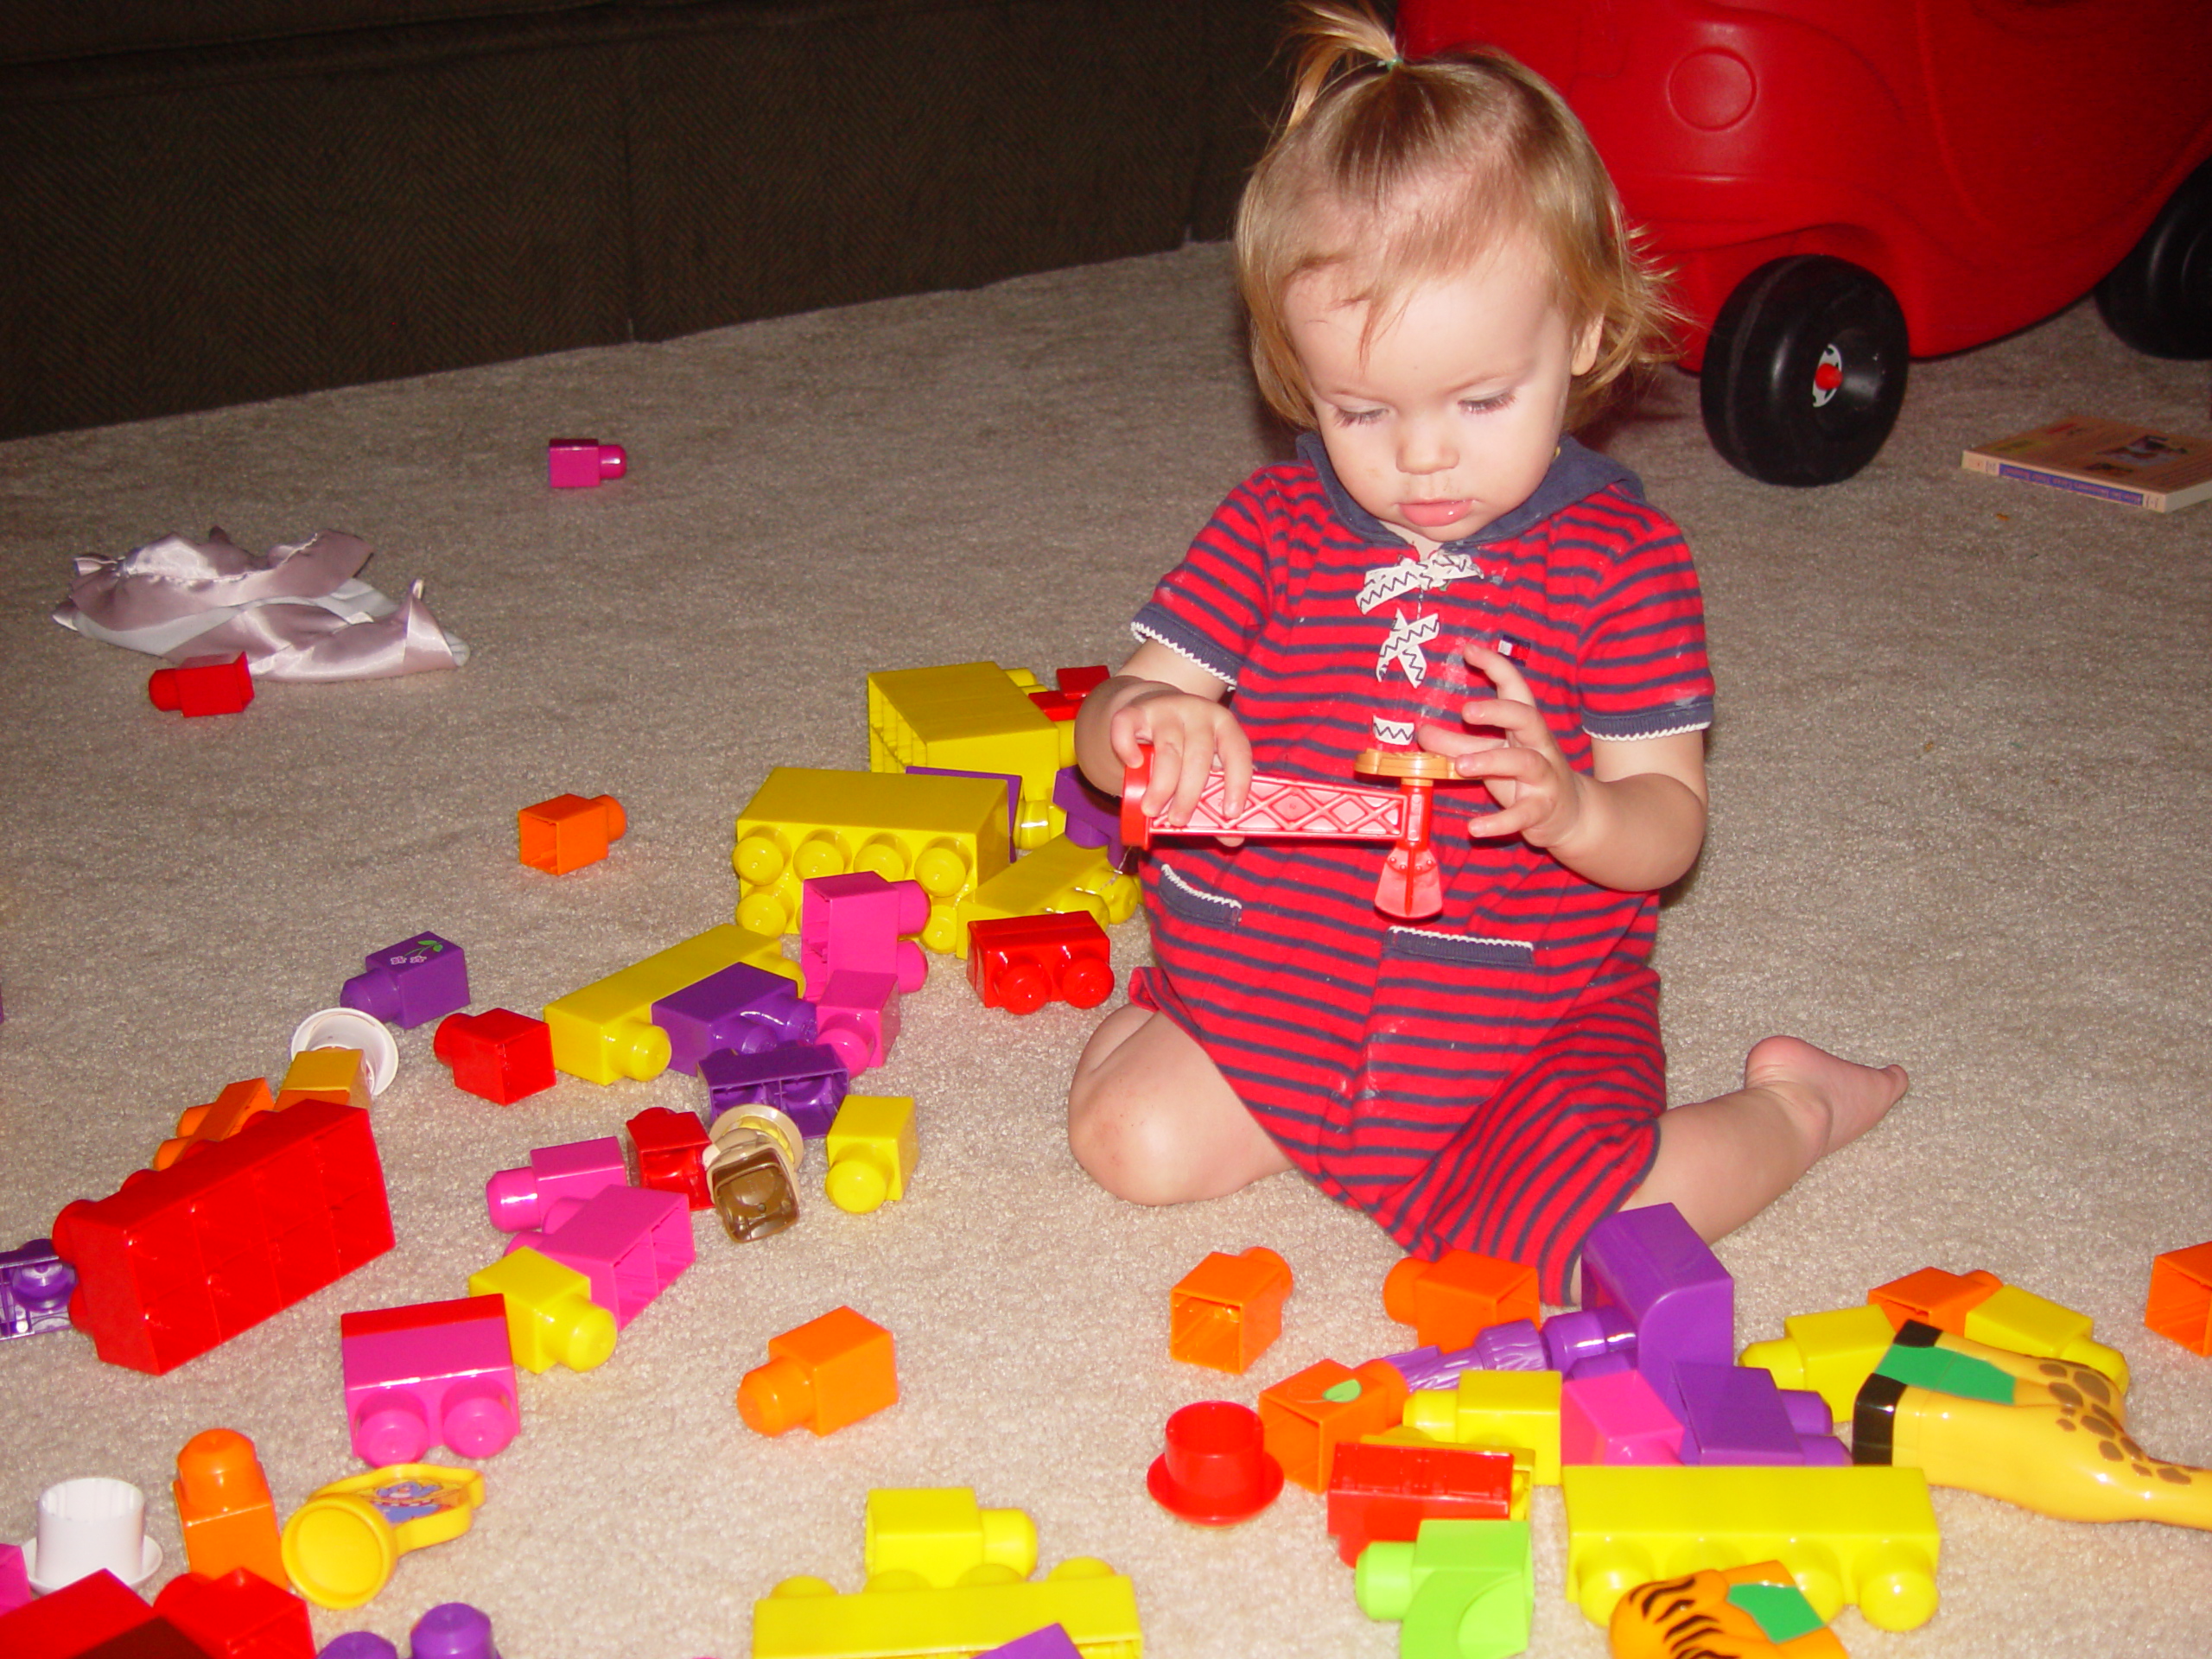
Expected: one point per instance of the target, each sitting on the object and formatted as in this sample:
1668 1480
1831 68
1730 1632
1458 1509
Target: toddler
1440 285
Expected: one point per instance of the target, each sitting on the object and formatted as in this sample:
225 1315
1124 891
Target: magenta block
1051 1643
579 463
15 1578
1734 1413
437 1373
1616 1419
804 1081
522 1198
741 1007
411 983
856 921
1650 1265
856 1018
631 1242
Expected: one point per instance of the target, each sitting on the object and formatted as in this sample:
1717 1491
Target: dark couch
219 201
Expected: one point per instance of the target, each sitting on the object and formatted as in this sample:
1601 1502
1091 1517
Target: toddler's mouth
1431 515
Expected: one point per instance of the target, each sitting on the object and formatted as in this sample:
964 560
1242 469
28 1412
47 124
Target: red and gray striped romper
1487 1079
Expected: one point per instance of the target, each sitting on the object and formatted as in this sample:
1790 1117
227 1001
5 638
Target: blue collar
1576 472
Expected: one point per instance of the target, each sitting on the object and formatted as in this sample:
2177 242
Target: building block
341 1544
1059 878
872 1147
632 1243
202 685
857 1018
342 1028
358 1644
605 1031
1307 1415
1382 1491
1011 779
1651 1265
1750 1612
858 921
1616 1419
181 1259
2028 1324
1464 1589
946 833
1449 1300
804 1081
971 715
238 1614
339 1074
15 1578
1845 1538
518 1198
1021 963
941 1536
1080 683
411 983
750 1165
452 1630
36 1285
223 1505
1515 1409
72 1621
1734 1413
1094 817
668 1144
1580 1338
1935 1297
825 1374
498 1054
552 1318
580 463
1217 1471
1830 1353
1433 1368
238 1104
1050 1643
806 1619
431 1374
1226 1312
743 1007
568 832
2180 1306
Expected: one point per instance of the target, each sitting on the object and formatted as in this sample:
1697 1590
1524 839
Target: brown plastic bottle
750 1163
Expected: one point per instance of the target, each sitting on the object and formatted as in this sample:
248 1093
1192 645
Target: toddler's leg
1721 1161
1154 1121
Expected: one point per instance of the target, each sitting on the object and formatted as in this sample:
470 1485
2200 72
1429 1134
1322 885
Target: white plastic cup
351 1028
87 1524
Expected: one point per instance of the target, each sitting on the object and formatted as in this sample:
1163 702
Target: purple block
34 1286
524 1198
358 1644
1587 1334
631 1242
15 1578
741 1007
1650 1265
1011 779
804 1081
1733 1415
411 983
1050 1643
1809 1412
1093 818
438 1373
452 1630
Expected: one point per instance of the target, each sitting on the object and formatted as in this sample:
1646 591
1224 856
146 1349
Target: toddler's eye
1358 416
1487 405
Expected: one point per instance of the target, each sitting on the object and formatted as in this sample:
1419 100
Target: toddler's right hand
1190 737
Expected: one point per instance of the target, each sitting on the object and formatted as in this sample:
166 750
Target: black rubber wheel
2160 298
1805 371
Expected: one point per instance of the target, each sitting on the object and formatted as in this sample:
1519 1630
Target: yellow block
871 1147
1517 1409
949 833
552 1318
2029 1324
806 1619
971 717
1830 1353
606 1030
1864 1535
937 1536
334 1074
1059 879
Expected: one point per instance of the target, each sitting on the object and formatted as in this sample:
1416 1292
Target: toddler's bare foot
1834 1101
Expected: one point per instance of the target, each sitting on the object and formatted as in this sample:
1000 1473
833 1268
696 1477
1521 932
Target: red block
203 685
1387 1491
1021 963
238 1616
669 1144
72 1620
1080 683
155 1639
498 1054
181 1259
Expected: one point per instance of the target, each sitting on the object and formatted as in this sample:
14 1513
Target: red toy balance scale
1412 887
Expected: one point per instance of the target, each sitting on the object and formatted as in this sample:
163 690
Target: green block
1782 1610
1464 1589
1945 1372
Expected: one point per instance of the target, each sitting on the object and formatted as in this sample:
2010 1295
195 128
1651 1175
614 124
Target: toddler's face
1449 417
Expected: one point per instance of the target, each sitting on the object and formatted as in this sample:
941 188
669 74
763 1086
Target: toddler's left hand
1539 795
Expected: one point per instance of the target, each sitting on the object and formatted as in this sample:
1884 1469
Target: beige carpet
1960 822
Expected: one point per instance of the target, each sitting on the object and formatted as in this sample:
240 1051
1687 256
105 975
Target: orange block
1935 1297
1305 1418
568 832
1228 1310
1452 1299
223 1502
237 1105
825 1374
338 1075
2180 1297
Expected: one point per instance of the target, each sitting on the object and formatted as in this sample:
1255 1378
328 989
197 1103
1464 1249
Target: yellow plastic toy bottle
341 1546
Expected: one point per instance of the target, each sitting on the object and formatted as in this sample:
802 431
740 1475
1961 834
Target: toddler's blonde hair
1391 174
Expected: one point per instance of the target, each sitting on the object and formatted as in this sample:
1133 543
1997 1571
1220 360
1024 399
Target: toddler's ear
1586 347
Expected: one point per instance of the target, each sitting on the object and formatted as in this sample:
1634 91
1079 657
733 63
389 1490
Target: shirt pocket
1467 950
1188 901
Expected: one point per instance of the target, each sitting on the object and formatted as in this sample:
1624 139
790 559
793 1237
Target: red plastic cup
1216 1471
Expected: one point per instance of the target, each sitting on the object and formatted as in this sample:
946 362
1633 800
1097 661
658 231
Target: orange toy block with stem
237 1105
568 832
825 1374
1454 1298
1303 1419
1935 1297
1228 1310
2181 1297
223 1506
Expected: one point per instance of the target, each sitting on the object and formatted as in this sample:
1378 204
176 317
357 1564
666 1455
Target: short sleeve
1211 608
1643 671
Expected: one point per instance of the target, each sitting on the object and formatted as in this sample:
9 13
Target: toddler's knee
1127 1149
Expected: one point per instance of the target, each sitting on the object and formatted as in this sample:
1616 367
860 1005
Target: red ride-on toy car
1839 185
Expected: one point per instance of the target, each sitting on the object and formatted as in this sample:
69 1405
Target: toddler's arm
1164 699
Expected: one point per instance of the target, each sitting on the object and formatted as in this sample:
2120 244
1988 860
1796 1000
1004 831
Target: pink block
854 921
631 1242
15 1578
856 1017
437 1373
579 463
521 1198
1616 1418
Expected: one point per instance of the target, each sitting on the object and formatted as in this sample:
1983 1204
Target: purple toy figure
631 1242
804 1081
741 1007
1650 1266
34 1286
411 983
856 921
434 1373
522 1198
452 1630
